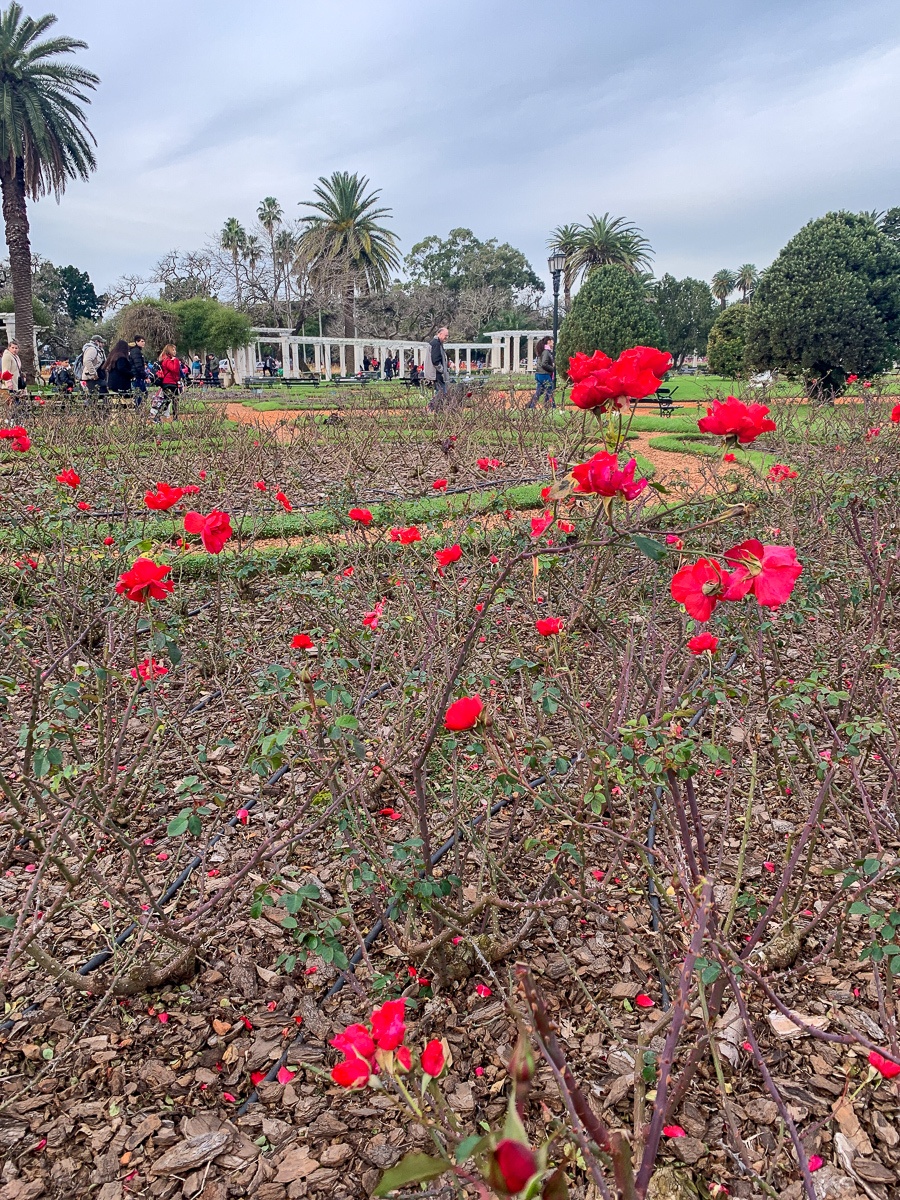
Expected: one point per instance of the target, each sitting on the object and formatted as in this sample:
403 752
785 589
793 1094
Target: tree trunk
15 216
237 280
348 326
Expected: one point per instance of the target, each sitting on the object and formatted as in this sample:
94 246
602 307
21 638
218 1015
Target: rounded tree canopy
829 304
154 320
610 313
725 349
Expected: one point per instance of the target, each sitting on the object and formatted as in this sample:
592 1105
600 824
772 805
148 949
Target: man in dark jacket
544 374
138 370
437 369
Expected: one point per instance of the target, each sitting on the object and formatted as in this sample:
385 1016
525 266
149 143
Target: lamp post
557 264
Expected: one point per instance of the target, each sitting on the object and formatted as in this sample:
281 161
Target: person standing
196 369
138 370
544 374
92 364
118 368
169 380
437 369
11 370
389 367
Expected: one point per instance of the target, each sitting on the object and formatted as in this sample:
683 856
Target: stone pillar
342 357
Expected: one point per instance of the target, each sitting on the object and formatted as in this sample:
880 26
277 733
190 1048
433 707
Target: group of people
391 365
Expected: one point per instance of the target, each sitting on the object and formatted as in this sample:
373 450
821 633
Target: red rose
703 641
284 502
433 1059
699 587
164 498
895 414
769 572
352 1073
388 1026
18 436
260 485
884 1066
214 529
515 1163
549 626
149 668
602 476
362 515
439 485
449 555
582 365
648 358
406 536
302 641
463 713
145 580
735 420
69 477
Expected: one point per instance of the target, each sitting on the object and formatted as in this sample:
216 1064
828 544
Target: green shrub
726 348
610 313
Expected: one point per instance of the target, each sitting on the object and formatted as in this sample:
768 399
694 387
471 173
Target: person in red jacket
169 379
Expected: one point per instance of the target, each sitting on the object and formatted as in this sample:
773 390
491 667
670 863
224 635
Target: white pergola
327 356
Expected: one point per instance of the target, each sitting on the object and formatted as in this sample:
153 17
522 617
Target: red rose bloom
540 525
463 713
164 498
884 1066
352 1073
549 626
516 1164
433 1059
648 358
302 641
895 414
149 668
703 641
699 587
736 421
214 529
284 502
449 555
439 485
145 580
388 1027
488 464
769 572
362 515
583 365
260 485
602 476
18 438
69 477
406 536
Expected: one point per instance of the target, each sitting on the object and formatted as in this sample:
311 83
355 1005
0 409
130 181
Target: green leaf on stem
473 1144
414 1168
650 547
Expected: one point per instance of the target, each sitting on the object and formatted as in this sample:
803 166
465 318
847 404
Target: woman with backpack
544 374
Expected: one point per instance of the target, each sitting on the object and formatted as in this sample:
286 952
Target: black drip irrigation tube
652 893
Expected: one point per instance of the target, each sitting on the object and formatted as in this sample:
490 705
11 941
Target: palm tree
746 279
233 240
44 141
723 284
270 216
284 249
565 239
343 233
606 241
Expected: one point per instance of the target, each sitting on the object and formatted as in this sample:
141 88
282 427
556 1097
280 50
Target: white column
342 358
327 353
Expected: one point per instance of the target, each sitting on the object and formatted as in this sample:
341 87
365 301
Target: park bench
662 398
278 381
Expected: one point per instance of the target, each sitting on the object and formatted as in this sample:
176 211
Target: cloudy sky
719 126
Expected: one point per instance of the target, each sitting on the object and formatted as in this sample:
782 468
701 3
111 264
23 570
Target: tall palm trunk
15 216
237 279
349 324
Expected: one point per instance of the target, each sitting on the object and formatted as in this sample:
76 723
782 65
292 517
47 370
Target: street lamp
557 264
